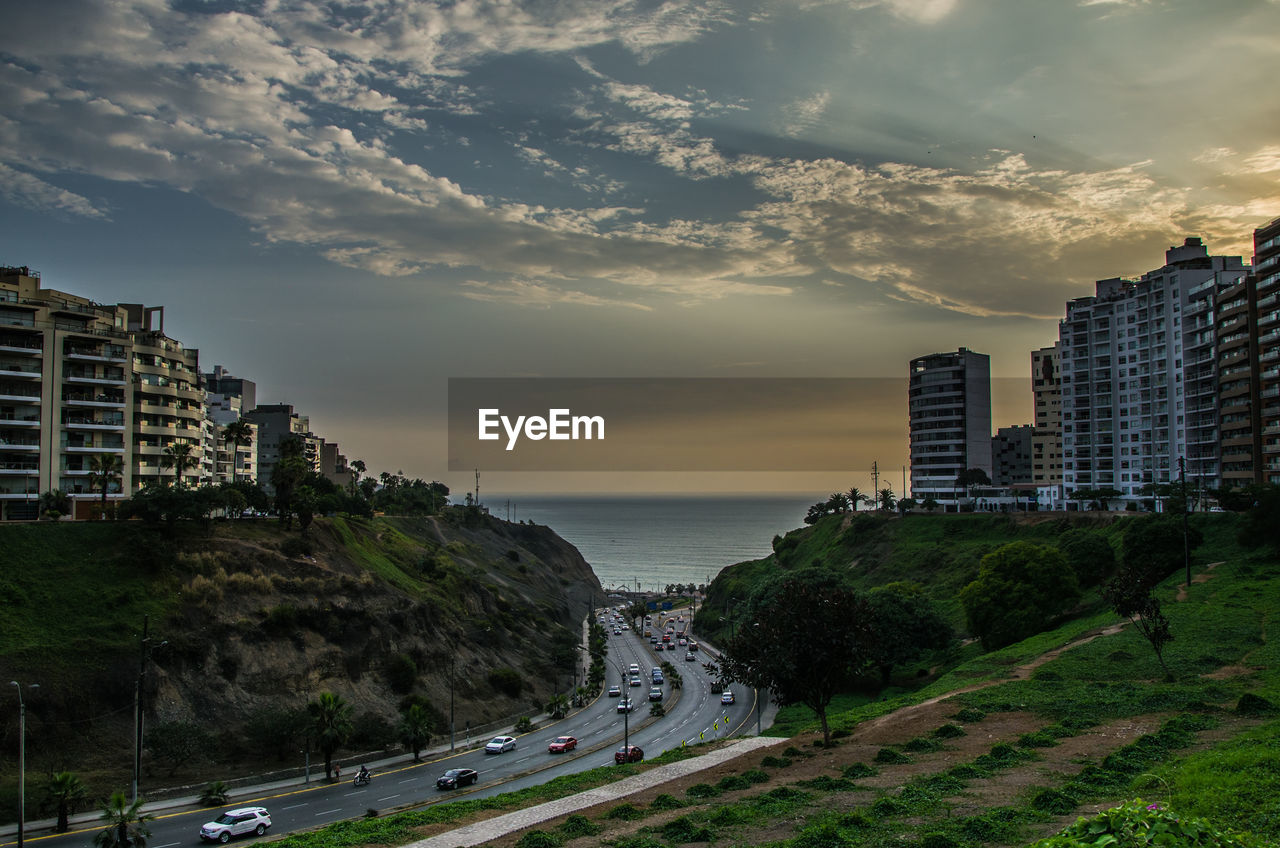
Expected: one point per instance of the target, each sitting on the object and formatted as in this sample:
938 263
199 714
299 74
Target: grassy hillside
251 621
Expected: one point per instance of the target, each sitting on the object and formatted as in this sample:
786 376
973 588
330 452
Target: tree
180 457
178 742
415 728
330 725
970 479
856 496
237 434
126 823
1261 525
1153 546
809 642
929 504
558 706
357 469
1130 594
906 624
1020 588
1089 554
104 470
54 504
304 503
905 505
886 500
64 793
287 474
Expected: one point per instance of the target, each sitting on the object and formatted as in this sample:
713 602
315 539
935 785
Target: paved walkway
499 826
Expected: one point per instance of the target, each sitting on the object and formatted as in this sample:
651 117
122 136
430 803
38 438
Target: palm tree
104 469
558 706
856 497
54 503
237 434
180 458
330 725
64 792
415 729
357 468
126 824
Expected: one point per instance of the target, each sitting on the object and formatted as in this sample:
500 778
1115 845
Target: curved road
695 714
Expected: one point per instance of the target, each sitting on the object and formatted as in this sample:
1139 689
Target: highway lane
696 714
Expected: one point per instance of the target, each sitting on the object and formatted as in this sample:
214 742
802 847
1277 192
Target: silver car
500 744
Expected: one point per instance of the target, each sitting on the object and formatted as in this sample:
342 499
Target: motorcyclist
363 774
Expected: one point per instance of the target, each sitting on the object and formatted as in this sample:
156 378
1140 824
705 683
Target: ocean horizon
656 540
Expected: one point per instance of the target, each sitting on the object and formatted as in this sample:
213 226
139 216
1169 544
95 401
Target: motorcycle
362 779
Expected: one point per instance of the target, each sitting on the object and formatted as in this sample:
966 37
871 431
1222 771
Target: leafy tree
837 504
304 504
558 706
64 793
970 479
126 823
179 456
104 470
1131 595
54 504
178 742
906 624
280 731
286 476
1020 587
929 504
507 681
357 469
1153 546
905 505
1261 525
416 724
810 642
1089 554
331 724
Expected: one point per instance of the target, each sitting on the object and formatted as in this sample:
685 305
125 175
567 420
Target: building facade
1046 437
1011 456
949 408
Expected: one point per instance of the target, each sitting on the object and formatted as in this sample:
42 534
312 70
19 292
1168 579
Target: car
625 705
615 691
500 744
626 627
655 694
617 631
684 641
635 680
634 668
629 754
454 778
689 657
237 822
658 678
562 744
727 697
653 640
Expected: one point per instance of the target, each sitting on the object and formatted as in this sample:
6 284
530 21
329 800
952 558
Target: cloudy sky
352 202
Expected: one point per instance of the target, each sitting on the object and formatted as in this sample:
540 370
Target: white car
500 744
625 705
239 822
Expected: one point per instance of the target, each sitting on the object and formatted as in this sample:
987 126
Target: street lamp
22 758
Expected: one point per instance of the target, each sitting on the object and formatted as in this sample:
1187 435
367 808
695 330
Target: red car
562 744
629 754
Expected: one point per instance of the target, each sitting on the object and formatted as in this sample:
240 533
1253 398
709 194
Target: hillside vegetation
249 622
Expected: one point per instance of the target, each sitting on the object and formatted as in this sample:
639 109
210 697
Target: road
695 715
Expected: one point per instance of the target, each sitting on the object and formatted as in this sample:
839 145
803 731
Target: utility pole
22 760
875 484
477 487
145 654
1186 541
451 726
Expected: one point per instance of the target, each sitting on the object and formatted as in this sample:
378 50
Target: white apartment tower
1139 386
950 422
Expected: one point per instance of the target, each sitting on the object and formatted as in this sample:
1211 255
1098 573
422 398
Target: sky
351 203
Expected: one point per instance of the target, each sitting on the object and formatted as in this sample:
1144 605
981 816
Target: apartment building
228 398
168 403
1138 375
277 422
1266 271
66 376
1011 456
1046 435
949 407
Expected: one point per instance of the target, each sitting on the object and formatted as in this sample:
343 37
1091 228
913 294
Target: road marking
327 812
294 806
409 780
168 845
388 798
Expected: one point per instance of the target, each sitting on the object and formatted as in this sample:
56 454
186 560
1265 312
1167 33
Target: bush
667 801
1254 705
826 783
938 839
886 807
1039 739
730 782
756 776
214 794
626 812
702 791
524 724
402 673
949 731
888 756
579 825
1137 824
1054 802
683 829
921 745
296 546
968 714
506 681
857 770
1020 588
775 762
538 839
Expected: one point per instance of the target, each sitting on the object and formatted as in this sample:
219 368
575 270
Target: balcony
79 422
22 345
90 399
92 448
17 372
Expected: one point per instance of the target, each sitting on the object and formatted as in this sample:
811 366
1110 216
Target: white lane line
294 806
409 780
389 797
168 845
327 812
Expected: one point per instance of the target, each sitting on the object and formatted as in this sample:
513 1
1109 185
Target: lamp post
451 726
22 758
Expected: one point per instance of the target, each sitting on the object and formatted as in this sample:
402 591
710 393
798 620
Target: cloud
538 295
27 190
803 114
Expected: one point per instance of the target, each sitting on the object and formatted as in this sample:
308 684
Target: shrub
1020 588
730 782
784 793
627 812
949 731
888 756
214 794
1134 823
523 724
857 770
827 783
756 776
969 714
296 546
793 751
579 825
702 791
507 681
538 839
1054 802
402 673
938 839
1254 705
666 801
775 762
968 771
1040 739
922 745
683 829
886 807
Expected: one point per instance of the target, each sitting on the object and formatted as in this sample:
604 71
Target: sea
654 541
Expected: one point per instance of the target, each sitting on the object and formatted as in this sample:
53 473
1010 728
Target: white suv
236 823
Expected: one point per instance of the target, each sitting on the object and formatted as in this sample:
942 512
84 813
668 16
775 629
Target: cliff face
248 623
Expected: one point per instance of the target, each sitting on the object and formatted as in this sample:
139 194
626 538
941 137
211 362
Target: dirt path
1202 577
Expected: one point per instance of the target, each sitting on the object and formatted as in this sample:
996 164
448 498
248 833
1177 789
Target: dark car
454 778
629 754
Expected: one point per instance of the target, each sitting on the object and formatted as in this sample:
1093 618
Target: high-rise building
277 422
1046 437
1266 270
1139 386
950 422
228 398
1011 456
